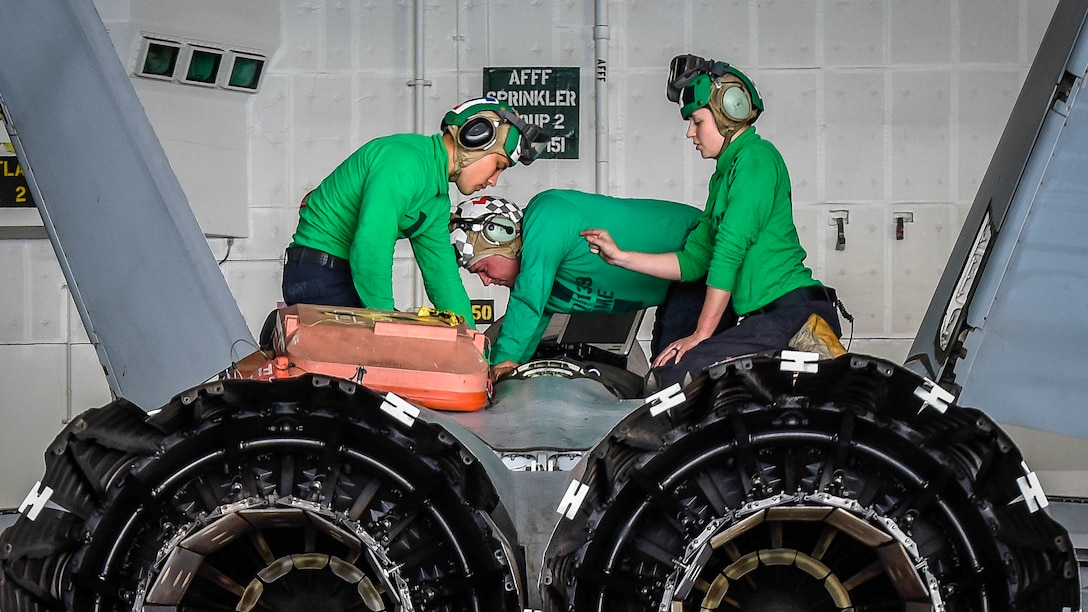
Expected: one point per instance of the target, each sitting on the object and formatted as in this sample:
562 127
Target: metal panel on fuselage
142 275
1022 316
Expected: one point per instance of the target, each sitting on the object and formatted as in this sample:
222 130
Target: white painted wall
879 107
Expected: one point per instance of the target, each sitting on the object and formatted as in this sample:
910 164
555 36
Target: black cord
849 318
230 243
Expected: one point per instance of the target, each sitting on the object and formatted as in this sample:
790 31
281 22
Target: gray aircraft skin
770 482
1005 327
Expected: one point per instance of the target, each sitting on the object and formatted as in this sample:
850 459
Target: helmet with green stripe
483 126
695 82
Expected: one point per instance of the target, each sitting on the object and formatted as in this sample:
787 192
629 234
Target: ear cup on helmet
477 133
500 230
735 103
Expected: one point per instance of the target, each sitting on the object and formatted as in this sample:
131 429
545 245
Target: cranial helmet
485 226
695 83
483 126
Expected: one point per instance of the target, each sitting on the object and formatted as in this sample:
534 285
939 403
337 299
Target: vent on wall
200 64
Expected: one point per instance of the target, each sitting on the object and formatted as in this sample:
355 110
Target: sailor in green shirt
398 187
746 242
548 266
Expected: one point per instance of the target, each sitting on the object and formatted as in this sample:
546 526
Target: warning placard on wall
547 97
14 192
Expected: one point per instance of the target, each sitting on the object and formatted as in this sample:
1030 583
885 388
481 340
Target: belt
307 255
797 297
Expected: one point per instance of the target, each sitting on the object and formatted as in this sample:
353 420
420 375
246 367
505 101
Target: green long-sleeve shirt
746 241
560 275
390 188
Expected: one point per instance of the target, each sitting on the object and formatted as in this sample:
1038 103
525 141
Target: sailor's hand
502 369
601 243
675 351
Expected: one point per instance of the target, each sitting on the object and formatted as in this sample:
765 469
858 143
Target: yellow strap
445 316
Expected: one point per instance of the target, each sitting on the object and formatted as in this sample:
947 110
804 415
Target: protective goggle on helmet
484 226
531 140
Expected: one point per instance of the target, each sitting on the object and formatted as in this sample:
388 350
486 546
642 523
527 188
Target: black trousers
679 315
757 333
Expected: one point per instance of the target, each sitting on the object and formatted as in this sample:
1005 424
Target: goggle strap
486 226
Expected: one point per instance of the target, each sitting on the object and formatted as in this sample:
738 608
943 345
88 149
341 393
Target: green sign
547 97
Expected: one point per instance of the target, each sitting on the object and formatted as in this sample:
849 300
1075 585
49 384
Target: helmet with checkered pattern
484 226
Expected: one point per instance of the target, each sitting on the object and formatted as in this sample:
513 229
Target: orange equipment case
429 358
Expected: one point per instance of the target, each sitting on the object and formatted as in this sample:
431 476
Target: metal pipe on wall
418 81
417 84
601 35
